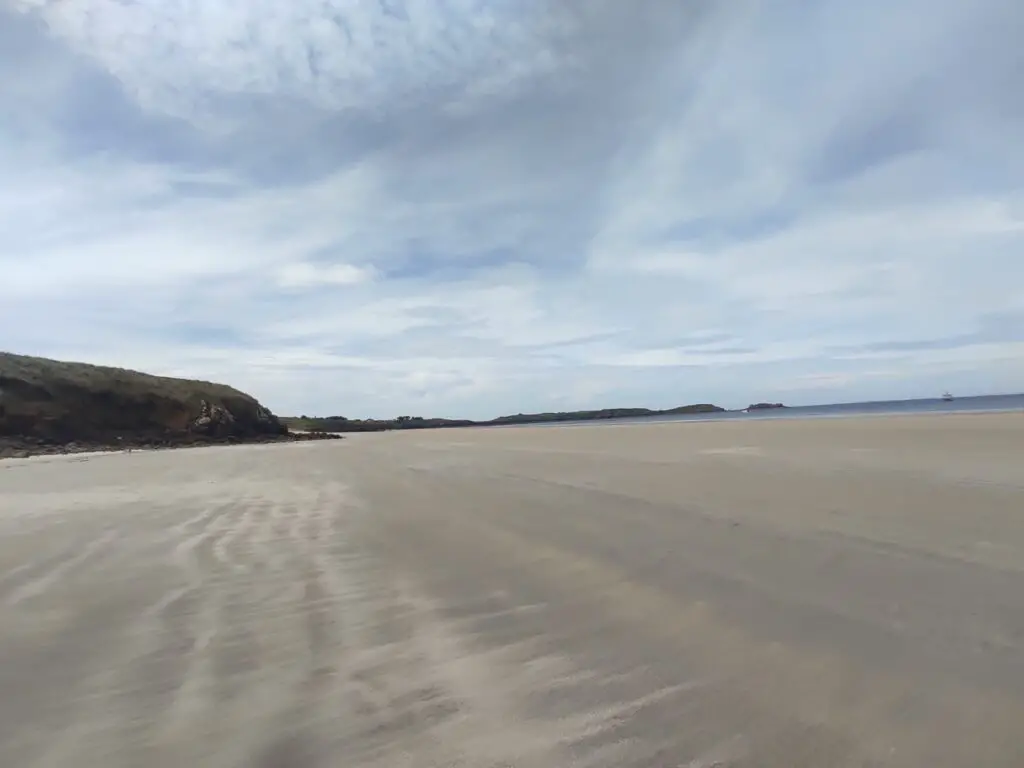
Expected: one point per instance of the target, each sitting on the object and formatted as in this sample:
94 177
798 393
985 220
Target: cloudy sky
474 207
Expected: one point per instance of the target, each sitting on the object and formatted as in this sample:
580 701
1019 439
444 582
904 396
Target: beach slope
775 593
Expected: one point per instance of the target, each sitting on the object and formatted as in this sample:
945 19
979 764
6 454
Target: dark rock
216 420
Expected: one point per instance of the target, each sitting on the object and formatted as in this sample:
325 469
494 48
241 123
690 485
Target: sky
467 208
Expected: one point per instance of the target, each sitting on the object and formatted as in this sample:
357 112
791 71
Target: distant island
763 406
342 424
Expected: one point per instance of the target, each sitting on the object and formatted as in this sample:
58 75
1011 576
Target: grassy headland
49 406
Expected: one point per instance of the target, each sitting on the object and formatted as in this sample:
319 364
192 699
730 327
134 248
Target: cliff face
53 402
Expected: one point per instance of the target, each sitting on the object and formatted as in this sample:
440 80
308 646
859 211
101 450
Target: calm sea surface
981 404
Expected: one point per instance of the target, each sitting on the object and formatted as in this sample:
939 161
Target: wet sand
771 593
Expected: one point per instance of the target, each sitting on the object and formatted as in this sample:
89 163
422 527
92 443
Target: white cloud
179 56
470 207
305 275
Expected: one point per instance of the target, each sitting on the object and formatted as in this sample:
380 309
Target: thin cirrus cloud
470 207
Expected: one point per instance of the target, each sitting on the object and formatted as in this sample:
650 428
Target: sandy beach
777 593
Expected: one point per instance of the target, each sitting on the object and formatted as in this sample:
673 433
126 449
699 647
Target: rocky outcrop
763 406
213 420
50 406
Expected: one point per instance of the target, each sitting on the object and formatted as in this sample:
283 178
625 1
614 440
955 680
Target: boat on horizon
947 397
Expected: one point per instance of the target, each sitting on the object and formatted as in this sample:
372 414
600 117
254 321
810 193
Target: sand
836 592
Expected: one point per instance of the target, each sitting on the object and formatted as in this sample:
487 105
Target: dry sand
770 593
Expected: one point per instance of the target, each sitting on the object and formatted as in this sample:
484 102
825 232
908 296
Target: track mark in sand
198 521
188 533
148 681
59 570
32 567
293 750
733 450
159 673
195 631
118 707
723 755
230 549
435 695
162 677
270 535
219 622
194 552
265 662
254 551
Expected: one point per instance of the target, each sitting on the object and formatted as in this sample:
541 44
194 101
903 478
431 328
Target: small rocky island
763 406
48 406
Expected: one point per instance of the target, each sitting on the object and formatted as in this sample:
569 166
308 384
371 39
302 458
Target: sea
971 404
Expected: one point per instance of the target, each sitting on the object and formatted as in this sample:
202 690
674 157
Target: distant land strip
342 424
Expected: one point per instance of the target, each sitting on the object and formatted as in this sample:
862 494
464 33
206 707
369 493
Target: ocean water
978 404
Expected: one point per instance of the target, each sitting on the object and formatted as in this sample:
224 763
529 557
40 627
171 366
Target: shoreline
20 447
741 417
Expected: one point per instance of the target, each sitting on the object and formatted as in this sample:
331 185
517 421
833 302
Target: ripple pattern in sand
250 621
